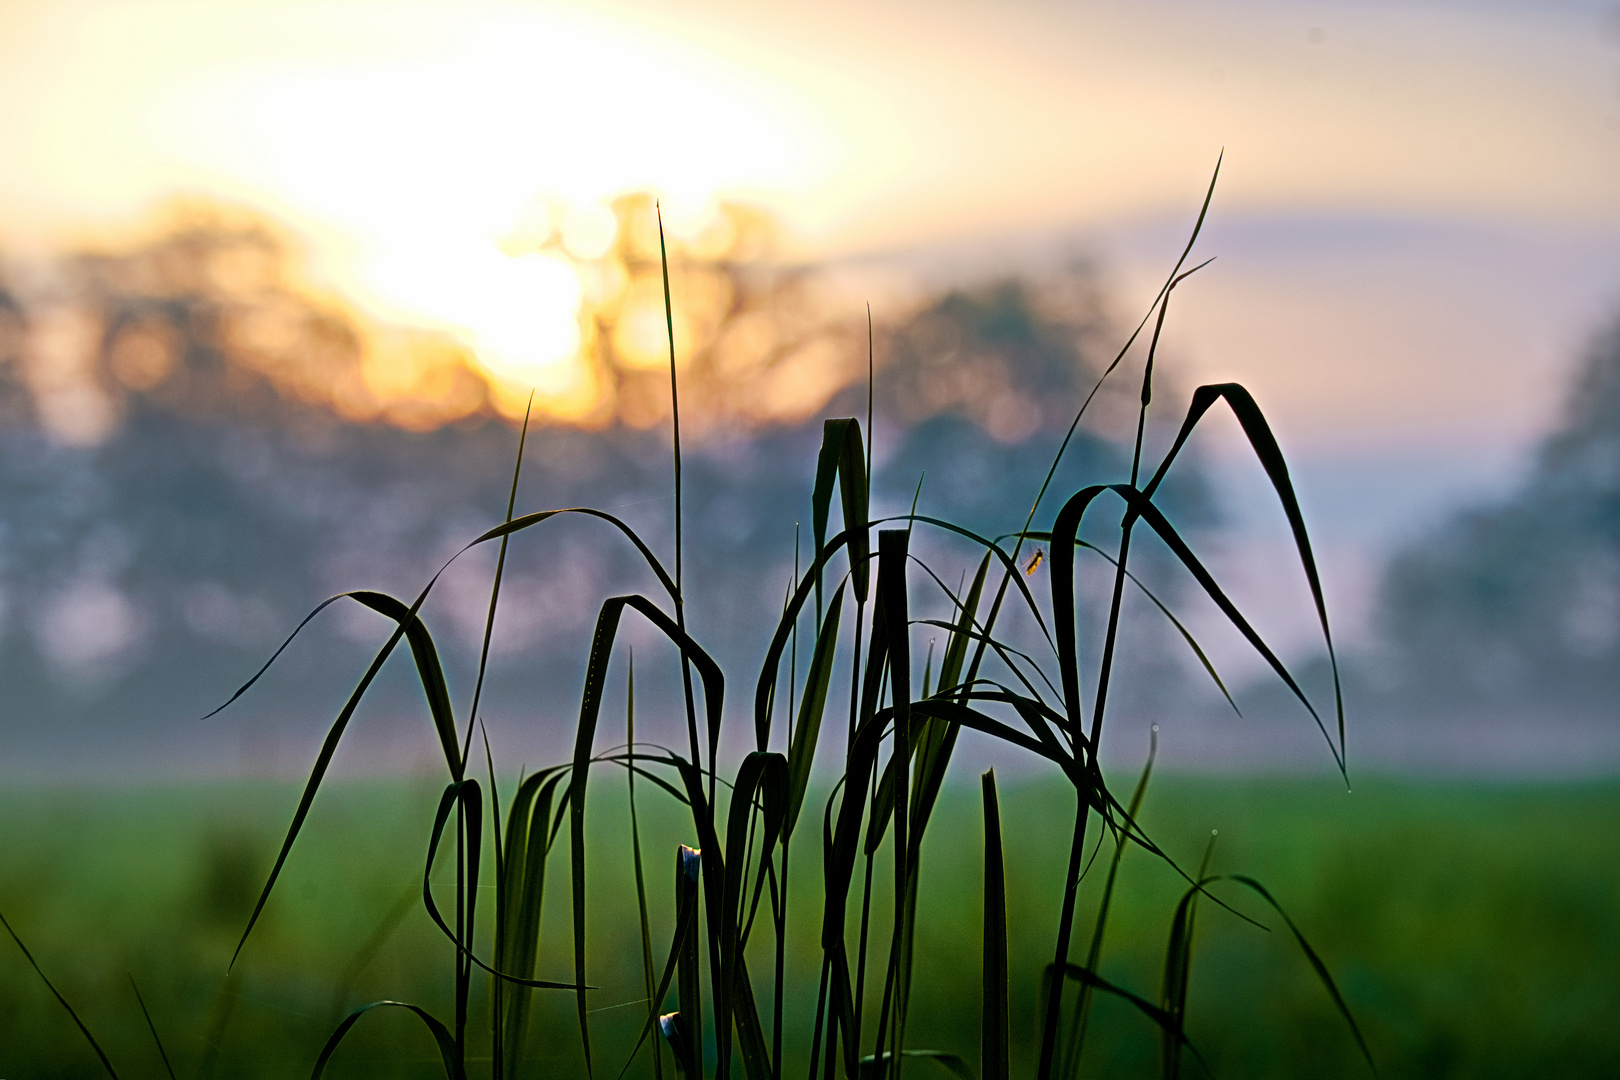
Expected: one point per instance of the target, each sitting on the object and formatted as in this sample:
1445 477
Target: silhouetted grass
718 951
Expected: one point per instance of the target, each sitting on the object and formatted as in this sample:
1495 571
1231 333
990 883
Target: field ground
1473 928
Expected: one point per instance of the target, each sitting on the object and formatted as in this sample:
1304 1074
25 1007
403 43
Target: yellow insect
1034 562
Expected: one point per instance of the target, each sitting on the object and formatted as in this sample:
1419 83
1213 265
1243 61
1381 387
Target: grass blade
520 903
994 1040
688 991
1165 1022
85 1031
812 707
1094 955
1316 965
495 590
1270 456
448 1052
152 1027
842 459
648 974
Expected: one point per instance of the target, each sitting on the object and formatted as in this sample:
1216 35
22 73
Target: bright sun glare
423 150
441 166
419 145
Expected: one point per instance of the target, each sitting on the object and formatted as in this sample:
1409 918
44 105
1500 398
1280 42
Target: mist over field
198 451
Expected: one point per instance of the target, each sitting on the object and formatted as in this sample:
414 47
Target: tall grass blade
812 707
431 677
1175 272
994 1033
85 1031
684 941
590 709
520 899
1071 887
893 559
649 976
1094 954
751 784
495 590
688 990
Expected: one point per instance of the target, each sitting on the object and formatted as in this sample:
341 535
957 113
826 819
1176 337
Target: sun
424 177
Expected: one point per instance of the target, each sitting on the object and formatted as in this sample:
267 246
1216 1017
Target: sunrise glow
450 168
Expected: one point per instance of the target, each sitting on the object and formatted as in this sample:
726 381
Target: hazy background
279 277
277 281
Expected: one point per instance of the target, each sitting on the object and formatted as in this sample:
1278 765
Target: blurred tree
1514 607
196 447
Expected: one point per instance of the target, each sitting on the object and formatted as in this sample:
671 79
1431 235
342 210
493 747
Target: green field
1473 928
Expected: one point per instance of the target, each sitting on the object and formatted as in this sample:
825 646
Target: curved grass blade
1087 977
1270 455
1141 505
590 709
83 1030
432 678
506 529
527 521
429 672
1149 513
968 717
1316 965
446 1043
843 459
1164 609
467 795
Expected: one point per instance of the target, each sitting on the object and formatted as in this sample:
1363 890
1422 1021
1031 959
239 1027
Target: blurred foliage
196 445
1513 607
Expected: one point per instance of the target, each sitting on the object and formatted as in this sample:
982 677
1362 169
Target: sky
1417 224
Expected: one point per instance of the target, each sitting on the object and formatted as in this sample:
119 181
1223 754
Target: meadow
1469 925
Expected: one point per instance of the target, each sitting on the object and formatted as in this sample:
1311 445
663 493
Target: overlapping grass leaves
898 748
